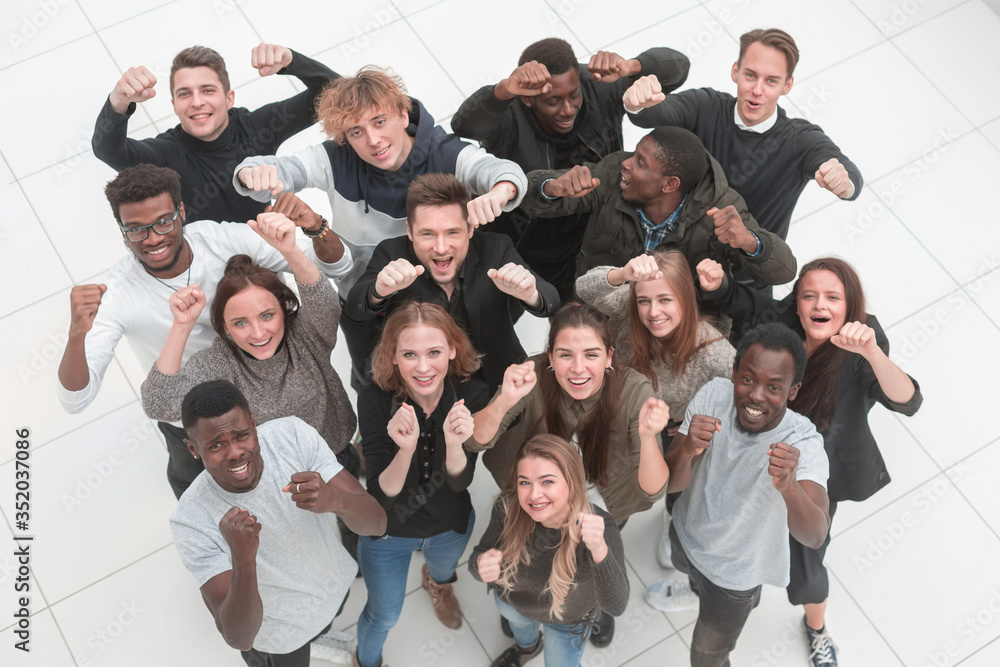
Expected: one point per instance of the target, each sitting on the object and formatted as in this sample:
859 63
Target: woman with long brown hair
653 308
608 412
552 558
415 422
272 346
848 371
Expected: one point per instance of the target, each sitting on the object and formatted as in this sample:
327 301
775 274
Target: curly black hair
141 182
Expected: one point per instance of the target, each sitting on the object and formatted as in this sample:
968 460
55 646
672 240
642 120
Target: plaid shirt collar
656 233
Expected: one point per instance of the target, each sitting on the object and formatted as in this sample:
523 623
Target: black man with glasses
165 256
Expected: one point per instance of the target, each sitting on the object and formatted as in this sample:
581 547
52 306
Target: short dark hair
200 56
208 400
435 190
774 38
682 154
141 182
556 54
776 337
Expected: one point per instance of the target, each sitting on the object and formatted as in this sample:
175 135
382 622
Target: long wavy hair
817 398
680 345
386 374
519 526
592 432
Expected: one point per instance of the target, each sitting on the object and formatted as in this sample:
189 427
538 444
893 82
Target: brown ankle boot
445 603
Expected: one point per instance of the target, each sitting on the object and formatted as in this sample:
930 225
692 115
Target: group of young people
668 371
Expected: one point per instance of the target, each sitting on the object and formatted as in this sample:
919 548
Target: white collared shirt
761 127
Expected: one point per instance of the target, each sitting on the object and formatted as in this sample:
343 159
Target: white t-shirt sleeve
814 466
202 553
702 404
315 452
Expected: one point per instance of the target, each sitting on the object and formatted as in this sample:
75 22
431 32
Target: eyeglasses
164 226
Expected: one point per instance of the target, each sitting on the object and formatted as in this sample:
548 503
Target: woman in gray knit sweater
552 558
275 352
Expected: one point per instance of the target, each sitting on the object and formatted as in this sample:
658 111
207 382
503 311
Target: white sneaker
672 595
663 546
335 646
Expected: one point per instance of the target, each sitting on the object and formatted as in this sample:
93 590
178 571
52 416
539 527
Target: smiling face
659 309
440 237
379 138
255 321
763 383
542 491
578 359
642 178
821 306
200 102
162 255
556 110
761 77
422 356
228 447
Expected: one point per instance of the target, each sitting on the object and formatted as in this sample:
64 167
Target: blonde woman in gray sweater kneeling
552 559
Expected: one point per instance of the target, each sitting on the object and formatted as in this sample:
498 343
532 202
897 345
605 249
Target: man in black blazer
478 277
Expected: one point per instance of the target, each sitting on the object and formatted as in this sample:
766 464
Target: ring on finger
297 485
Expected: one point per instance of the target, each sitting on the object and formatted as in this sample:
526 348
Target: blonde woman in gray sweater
554 560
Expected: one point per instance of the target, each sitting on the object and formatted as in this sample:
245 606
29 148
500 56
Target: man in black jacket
476 276
554 113
213 136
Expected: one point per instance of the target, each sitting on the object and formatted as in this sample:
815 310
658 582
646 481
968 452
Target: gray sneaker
335 646
823 650
672 595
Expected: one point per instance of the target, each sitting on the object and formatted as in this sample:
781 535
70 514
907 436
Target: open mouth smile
240 471
158 253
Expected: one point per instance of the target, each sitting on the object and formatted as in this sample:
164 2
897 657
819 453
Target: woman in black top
414 422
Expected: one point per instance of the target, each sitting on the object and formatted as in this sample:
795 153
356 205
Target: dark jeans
721 615
297 658
182 467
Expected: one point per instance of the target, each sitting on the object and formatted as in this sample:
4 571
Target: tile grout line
940 472
569 28
981 648
111 574
100 39
78 428
660 22
866 617
406 22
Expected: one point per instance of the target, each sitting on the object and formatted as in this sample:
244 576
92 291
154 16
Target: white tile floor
903 86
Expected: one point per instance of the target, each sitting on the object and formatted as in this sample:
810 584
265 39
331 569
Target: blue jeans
384 564
564 644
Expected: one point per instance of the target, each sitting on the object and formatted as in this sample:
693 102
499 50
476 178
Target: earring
550 368
609 370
